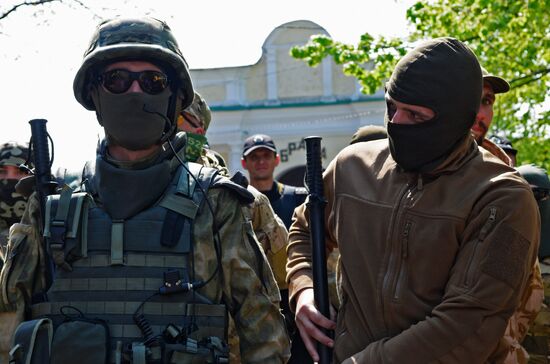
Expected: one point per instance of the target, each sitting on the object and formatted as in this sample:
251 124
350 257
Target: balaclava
443 75
134 120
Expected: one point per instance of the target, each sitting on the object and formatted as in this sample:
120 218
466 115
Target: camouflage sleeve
20 276
509 347
208 159
249 288
25 261
272 235
3 245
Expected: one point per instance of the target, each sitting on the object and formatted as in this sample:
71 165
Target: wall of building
286 99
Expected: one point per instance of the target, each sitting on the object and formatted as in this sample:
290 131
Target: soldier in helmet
537 341
12 204
194 121
268 227
506 145
154 254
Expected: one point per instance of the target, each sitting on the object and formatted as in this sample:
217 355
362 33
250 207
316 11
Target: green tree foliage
511 39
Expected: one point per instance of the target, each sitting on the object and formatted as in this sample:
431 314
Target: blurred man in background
12 204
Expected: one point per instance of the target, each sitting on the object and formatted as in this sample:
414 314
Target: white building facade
286 99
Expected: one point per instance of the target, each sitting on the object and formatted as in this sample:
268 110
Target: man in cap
492 85
154 255
531 299
260 158
436 236
537 341
12 204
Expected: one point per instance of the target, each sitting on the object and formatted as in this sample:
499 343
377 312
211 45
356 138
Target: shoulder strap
243 195
184 202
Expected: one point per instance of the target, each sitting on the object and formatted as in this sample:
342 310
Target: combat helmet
146 39
540 184
200 110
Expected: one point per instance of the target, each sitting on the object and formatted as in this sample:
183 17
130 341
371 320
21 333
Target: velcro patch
506 256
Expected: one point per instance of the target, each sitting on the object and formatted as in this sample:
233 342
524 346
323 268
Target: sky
41 49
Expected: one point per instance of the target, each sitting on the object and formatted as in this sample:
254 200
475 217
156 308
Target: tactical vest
123 290
290 198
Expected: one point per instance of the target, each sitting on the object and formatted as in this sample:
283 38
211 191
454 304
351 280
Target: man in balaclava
510 347
12 204
154 254
436 236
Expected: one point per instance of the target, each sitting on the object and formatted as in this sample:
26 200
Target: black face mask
134 120
422 147
443 75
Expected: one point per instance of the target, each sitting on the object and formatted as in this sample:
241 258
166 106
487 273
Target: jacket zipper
389 277
482 234
404 255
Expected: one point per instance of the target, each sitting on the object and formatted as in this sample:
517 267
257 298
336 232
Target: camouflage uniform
12 204
510 349
268 227
537 341
227 266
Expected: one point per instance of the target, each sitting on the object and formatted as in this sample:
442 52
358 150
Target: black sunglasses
541 194
119 81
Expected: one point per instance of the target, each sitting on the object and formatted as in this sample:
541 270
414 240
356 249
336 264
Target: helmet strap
172 112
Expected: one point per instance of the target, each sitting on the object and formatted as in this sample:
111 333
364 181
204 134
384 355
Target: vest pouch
81 340
66 226
211 350
206 343
32 342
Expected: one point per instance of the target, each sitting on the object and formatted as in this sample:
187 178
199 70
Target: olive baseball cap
500 85
258 141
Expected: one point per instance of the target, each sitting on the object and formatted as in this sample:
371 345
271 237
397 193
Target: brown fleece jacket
432 265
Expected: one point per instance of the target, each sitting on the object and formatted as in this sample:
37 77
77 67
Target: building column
271 76
327 78
235 157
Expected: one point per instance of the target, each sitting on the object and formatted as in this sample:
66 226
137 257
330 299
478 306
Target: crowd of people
439 244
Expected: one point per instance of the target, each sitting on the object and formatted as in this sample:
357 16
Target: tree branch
25 3
532 77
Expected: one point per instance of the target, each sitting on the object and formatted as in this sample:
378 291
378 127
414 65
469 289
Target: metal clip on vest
57 231
174 284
